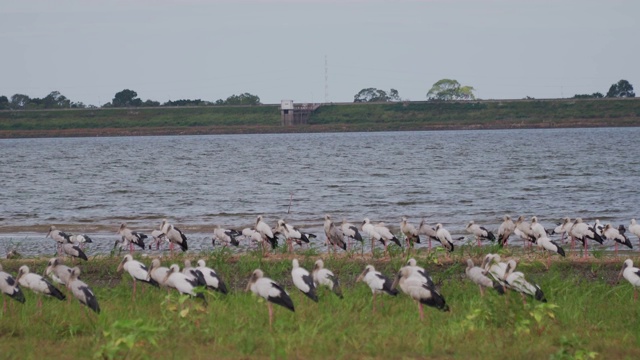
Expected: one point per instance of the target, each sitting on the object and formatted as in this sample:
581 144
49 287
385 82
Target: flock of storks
411 279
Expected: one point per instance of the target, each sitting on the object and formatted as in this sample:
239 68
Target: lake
91 185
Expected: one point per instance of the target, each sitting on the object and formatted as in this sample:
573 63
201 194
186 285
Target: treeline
124 98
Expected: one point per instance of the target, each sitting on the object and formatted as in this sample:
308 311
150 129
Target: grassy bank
587 315
335 117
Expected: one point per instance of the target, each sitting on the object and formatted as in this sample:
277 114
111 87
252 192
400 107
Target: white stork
419 271
58 272
350 231
292 233
181 282
252 236
157 272
377 282
80 240
479 276
265 231
582 232
303 280
193 273
174 236
444 237
428 231
418 290
537 229
479 232
269 290
496 268
507 227
38 284
634 227
386 234
137 270
563 228
515 280
409 231
131 238
374 235
9 286
74 250
523 230
632 274
60 238
325 277
334 234
82 291
551 246
225 236
611 233
211 278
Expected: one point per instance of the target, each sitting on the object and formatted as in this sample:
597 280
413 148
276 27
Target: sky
314 50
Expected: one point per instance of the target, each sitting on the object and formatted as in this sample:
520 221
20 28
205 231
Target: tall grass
586 316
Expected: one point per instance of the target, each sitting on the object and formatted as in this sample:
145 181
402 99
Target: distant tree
4 103
80 105
150 103
447 89
595 95
242 99
621 89
186 102
55 100
19 101
376 95
126 98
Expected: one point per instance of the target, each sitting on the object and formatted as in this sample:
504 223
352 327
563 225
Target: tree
4 102
126 98
376 95
621 89
595 95
19 101
55 100
447 89
242 99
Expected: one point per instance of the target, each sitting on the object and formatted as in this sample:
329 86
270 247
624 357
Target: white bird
38 284
496 268
479 277
350 230
292 233
523 230
634 227
537 229
563 228
130 238
181 282
409 231
418 290
444 237
157 272
174 236
428 231
386 234
419 271
515 280
582 232
269 290
157 236
80 239
545 243
377 282
9 286
74 250
266 232
480 232
58 272
505 230
374 235
82 291
252 235
611 233
211 278
137 270
325 277
193 273
60 237
334 234
225 236
632 274
303 280
598 228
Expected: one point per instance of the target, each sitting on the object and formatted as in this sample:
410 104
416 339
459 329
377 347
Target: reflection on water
93 184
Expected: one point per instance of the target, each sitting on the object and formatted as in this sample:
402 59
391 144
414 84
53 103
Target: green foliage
448 89
4 103
595 95
128 337
242 99
571 348
126 98
621 89
376 95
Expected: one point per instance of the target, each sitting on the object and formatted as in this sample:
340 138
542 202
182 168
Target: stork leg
421 310
134 289
374 302
270 314
478 240
584 255
481 290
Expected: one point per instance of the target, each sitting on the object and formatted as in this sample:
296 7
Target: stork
377 282
505 230
174 236
420 291
334 234
303 280
9 286
611 233
516 281
430 232
131 237
82 291
266 232
444 237
409 231
225 236
137 270
479 232
350 231
211 278
632 274
634 227
37 284
325 277
60 238
479 276
269 290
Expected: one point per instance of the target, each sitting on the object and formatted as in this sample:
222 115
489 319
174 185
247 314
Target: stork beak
361 276
248 286
120 266
397 279
167 276
506 272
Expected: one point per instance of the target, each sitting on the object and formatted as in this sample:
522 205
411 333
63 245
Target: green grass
586 315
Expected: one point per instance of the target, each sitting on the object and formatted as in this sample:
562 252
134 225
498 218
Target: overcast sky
170 49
